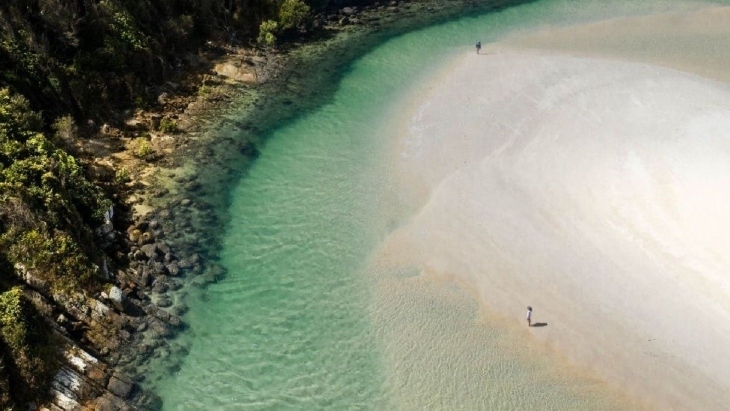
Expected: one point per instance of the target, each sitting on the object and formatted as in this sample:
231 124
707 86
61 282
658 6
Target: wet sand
695 41
592 188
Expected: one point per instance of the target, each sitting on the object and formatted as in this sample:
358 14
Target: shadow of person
539 325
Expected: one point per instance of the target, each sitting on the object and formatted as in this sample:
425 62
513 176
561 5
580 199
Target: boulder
163 247
124 335
105 229
139 255
179 310
217 271
164 301
105 404
233 71
145 279
163 98
117 297
173 269
149 250
120 386
158 268
175 285
100 309
175 321
162 315
146 238
151 309
134 124
159 285
160 328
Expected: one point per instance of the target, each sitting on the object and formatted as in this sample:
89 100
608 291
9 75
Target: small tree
66 131
292 14
266 32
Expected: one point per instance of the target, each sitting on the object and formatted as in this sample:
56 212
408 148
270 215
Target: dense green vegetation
88 57
62 63
46 202
46 208
26 355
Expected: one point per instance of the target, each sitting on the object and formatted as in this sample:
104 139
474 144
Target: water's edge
195 210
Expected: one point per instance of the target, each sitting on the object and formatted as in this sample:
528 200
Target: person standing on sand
479 46
529 316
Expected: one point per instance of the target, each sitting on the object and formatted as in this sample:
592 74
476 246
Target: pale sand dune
596 191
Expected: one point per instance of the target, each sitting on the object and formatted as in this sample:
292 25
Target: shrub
65 131
12 325
17 120
143 148
122 27
167 125
205 91
122 176
26 339
141 103
292 14
53 257
266 32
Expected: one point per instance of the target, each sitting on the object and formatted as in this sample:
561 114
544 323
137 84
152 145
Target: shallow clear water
300 323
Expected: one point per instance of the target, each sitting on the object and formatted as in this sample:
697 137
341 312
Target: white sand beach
595 190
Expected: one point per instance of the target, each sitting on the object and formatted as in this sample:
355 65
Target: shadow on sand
539 325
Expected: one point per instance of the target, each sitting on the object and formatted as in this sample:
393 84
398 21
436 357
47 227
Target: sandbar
593 189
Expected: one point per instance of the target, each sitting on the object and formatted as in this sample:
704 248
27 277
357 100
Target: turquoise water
299 324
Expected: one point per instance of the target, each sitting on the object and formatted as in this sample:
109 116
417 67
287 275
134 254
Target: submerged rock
164 301
173 269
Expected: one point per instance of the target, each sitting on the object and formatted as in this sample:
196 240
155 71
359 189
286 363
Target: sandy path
595 191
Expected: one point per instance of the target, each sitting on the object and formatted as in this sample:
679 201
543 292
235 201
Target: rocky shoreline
168 205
